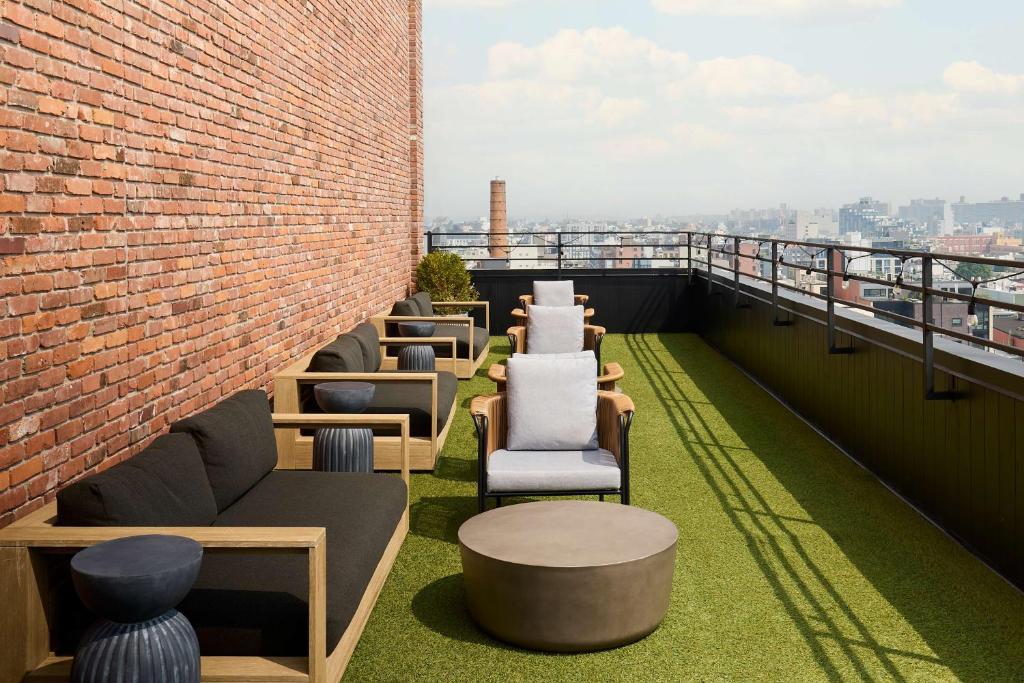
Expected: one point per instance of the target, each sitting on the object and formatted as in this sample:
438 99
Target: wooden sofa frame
295 451
463 368
25 652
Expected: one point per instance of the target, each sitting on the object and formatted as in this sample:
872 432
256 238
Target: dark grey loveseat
215 470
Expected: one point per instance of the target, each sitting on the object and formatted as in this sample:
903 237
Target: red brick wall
193 193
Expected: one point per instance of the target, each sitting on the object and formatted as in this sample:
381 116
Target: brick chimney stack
498 242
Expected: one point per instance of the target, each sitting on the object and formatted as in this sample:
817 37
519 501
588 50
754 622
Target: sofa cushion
369 342
424 303
461 334
247 604
236 439
535 356
344 354
164 485
413 399
552 404
591 470
407 308
554 329
553 293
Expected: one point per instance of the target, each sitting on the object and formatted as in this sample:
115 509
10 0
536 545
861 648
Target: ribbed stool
133 584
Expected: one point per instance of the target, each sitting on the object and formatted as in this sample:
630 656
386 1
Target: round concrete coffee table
568 576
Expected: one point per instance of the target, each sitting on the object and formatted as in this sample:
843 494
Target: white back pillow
554 329
553 293
541 356
552 404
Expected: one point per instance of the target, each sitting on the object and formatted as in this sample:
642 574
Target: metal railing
691 246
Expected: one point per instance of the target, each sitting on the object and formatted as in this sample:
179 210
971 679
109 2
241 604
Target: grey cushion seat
246 604
592 470
461 334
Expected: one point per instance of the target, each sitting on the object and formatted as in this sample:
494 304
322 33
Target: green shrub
443 275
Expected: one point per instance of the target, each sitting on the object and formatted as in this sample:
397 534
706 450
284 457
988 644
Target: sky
628 108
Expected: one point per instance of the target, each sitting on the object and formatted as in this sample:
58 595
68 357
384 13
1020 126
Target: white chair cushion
553 293
536 356
590 470
554 329
552 404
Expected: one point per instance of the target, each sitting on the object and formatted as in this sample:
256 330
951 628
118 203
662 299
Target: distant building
866 216
1009 330
810 225
935 215
964 245
1005 211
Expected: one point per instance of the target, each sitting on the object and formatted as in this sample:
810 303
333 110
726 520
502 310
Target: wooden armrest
611 408
497 373
613 372
280 538
518 333
444 319
493 408
462 304
317 377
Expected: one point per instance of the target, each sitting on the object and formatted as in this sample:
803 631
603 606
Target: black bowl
137 578
343 397
417 329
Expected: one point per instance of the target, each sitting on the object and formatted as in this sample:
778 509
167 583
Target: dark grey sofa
358 351
216 468
421 305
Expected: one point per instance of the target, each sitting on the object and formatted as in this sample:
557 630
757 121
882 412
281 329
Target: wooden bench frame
464 368
295 451
25 652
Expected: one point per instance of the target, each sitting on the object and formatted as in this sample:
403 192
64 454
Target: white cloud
766 8
698 136
747 77
975 78
615 111
594 54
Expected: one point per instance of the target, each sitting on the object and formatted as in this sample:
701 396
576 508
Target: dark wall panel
623 300
961 462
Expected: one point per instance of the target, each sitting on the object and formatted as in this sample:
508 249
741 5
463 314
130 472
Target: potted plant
443 275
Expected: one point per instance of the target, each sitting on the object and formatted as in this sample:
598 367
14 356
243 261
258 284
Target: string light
972 314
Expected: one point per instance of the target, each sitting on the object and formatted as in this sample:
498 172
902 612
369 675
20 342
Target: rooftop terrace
795 563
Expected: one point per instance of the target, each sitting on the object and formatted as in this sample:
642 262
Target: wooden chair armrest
486 305
614 414
497 373
444 319
256 538
317 377
613 372
492 428
518 335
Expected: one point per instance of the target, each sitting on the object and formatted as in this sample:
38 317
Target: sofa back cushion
424 303
164 485
552 404
553 293
369 343
554 329
405 308
344 354
236 439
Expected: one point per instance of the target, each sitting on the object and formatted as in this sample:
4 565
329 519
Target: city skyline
684 107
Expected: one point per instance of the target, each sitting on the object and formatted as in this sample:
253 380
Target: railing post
559 261
830 303
430 241
736 272
775 288
710 276
689 257
928 336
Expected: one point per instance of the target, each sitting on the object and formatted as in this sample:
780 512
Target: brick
173 234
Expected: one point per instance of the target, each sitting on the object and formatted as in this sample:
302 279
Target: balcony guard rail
837 260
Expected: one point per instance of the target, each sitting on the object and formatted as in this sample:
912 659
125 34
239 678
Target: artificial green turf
794 563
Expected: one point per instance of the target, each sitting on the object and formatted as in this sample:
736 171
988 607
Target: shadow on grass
455 469
439 517
831 628
441 607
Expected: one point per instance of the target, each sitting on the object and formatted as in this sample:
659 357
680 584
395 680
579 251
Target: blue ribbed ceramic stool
133 584
343 449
